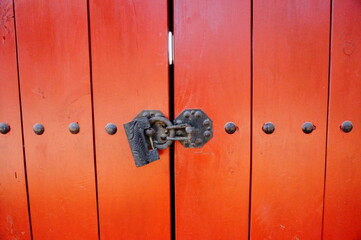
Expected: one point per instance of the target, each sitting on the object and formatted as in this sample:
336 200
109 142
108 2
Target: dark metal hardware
308 127
135 132
111 128
4 128
74 128
194 128
151 131
268 128
230 127
38 129
346 126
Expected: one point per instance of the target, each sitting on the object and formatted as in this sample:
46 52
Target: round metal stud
346 126
111 128
207 134
38 129
198 114
207 122
4 128
187 114
230 127
308 127
268 128
74 128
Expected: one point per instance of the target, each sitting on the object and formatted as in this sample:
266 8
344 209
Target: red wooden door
212 72
14 217
98 63
290 87
130 73
55 91
342 215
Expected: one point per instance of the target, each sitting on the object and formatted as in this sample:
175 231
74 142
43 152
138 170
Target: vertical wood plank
14 218
55 91
212 72
290 77
342 216
130 74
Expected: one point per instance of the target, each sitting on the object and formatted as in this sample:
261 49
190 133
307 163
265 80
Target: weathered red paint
212 72
130 73
55 91
290 87
14 219
284 80
342 215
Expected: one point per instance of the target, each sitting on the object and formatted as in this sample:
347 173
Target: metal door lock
151 131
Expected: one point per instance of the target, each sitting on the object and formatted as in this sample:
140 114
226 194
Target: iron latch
151 131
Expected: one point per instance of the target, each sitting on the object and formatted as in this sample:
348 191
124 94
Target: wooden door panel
290 82
130 73
55 91
14 218
212 72
342 219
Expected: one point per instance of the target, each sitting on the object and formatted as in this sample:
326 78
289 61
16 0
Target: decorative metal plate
201 128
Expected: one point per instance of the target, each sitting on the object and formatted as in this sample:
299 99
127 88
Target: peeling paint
6 18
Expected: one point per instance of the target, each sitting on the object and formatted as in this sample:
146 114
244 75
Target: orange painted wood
290 82
342 219
14 218
55 91
130 74
212 72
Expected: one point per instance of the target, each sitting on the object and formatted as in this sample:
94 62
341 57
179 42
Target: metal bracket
199 130
170 48
151 131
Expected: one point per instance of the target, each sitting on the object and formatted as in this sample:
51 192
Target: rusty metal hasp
151 131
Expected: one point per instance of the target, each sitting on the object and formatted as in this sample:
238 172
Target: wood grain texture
14 218
342 219
212 73
55 91
130 74
290 82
